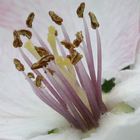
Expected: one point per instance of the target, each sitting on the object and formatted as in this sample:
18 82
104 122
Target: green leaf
52 131
108 85
123 108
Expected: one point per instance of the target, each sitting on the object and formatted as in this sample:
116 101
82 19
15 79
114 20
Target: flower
112 66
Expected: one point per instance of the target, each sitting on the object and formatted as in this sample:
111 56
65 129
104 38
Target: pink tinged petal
137 59
119 31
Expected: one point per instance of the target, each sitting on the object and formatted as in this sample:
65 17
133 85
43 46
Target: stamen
26 33
80 10
75 57
79 39
68 45
58 20
38 81
94 21
19 66
47 58
53 104
41 51
17 41
43 62
38 65
30 19
67 88
31 75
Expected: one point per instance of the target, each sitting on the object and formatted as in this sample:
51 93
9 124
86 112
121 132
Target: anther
79 39
38 81
80 10
94 21
68 45
31 75
30 19
19 66
37 65
41 51
75 57
58 20
46 58
26 33
17 41
43 62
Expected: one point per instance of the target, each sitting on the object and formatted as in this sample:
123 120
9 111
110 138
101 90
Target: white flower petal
118 30
67 134
29 127
122 127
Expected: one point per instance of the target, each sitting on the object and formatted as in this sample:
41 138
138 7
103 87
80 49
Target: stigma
58 75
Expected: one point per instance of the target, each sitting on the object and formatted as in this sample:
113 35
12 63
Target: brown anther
58 20
46 58
51 71
30 19
37 65
26 33
80 10
79 39
41 51
17 41
79 35
75 57
19 66
31 75
94 21
43 62
68 45
38 81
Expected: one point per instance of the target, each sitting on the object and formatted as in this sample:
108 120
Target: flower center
61 79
